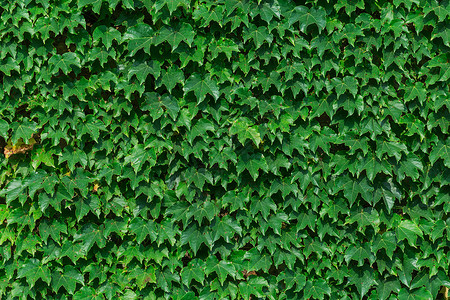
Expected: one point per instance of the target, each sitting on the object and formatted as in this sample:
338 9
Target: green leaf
33 269
9 65
194 270
364 217
87 293
23 130
317 289
80 180
386 241
73 157
392 148
175 35
416 91
84 205
408 230
363 279
409 167
254 286
64 62
201 85
89 235
223 45
346 84
68 278
53 229
200 129
292 278
245 130
139 156
308 17
353 187
171 77
199 177
142 229
143 68
172 5
257 34
416 294
252 163
107 35
139 37
226 228
441 150
385 288
222 268
193 235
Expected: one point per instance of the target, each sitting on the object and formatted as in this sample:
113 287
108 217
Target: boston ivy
230 149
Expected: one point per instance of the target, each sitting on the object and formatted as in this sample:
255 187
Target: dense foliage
224 149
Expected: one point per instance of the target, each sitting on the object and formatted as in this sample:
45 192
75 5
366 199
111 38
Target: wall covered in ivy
228 149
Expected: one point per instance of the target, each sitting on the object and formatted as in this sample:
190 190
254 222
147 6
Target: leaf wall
224 149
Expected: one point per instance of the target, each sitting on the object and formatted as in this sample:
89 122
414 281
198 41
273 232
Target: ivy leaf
292 278
364 217
142 229
410 167
416 294
193 235
201 85
87 293
53 229
171 77
200 129
80 180
139 37
413 125
95 3
72 157
107 35
199 177
175 35
33 269
167 231
416 91
308 17
386 241
172 5
253 163
363 279
226 228
85 205
223 45
139 156
317 289
408 230
392 148
68 278
385 288
257 34
222 268
346 84
143 68
254 286
89 235
64 62
9 65
245 130
441 150
354 187
23 130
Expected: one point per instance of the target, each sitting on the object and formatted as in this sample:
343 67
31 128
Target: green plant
224 149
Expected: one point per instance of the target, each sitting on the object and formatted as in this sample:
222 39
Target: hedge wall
229 149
